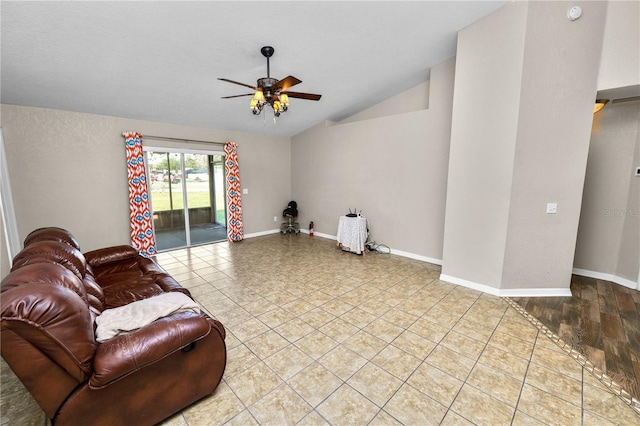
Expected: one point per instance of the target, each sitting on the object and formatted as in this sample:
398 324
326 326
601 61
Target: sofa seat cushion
113 322
124 276
130 352
124 288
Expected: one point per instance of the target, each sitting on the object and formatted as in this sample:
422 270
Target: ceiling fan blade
307 96
285 83
237 96
236 82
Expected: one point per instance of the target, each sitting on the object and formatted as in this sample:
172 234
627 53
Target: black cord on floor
379 248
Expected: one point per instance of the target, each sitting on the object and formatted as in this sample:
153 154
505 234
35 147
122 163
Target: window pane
166 199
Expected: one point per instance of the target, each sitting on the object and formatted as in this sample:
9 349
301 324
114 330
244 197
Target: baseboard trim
393 251
417 257
536 292
261 233
319 234
470 284
327 236
277 231
520 292
607 277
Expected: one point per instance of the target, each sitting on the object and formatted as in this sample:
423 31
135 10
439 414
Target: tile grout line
515 407
582 397
285 382
598 374
524 378
613 387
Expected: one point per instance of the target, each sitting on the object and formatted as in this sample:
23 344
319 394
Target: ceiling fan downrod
266 83
267 52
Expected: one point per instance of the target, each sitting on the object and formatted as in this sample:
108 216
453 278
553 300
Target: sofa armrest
218 326
130 352
107 255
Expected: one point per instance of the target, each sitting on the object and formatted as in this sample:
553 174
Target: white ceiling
160 61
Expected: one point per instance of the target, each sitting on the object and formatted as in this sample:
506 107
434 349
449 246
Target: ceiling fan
272 91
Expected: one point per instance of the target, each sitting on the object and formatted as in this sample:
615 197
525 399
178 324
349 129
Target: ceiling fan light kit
271 91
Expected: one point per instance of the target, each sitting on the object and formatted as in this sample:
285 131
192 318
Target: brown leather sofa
50 301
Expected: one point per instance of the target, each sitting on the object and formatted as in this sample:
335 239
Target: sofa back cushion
48 273
52 234
95 295
52 252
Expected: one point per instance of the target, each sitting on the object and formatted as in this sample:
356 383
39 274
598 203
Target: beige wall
529 147
489 65
392 159
620 65
629 259
68 169
609 236
608 244
392 168
558 88
414 99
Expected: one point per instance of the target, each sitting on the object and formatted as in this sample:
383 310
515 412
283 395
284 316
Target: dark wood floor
602 321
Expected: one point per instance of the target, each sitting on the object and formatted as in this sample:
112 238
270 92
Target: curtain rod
182 140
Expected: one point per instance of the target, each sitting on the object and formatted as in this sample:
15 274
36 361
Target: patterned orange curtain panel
235 230
142 237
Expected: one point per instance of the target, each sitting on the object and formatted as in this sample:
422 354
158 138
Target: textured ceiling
160 61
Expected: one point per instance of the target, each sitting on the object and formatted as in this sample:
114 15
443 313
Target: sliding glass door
187 197
205 197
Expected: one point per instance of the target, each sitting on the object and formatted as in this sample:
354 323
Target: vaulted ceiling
160 61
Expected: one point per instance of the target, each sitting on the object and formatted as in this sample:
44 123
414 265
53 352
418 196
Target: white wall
68 169
393 168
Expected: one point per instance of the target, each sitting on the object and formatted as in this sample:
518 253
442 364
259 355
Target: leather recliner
50 301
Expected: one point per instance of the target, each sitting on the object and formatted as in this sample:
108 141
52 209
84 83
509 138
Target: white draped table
352 233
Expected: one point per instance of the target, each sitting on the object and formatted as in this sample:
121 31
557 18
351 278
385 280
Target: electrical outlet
552 208
275 218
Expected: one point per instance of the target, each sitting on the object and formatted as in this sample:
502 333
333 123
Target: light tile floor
318 336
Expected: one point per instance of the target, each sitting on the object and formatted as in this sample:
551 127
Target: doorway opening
187 197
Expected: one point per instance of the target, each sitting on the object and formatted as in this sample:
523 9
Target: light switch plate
245 191
552 208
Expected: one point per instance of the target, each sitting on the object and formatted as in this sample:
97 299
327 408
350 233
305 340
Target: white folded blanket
113 322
